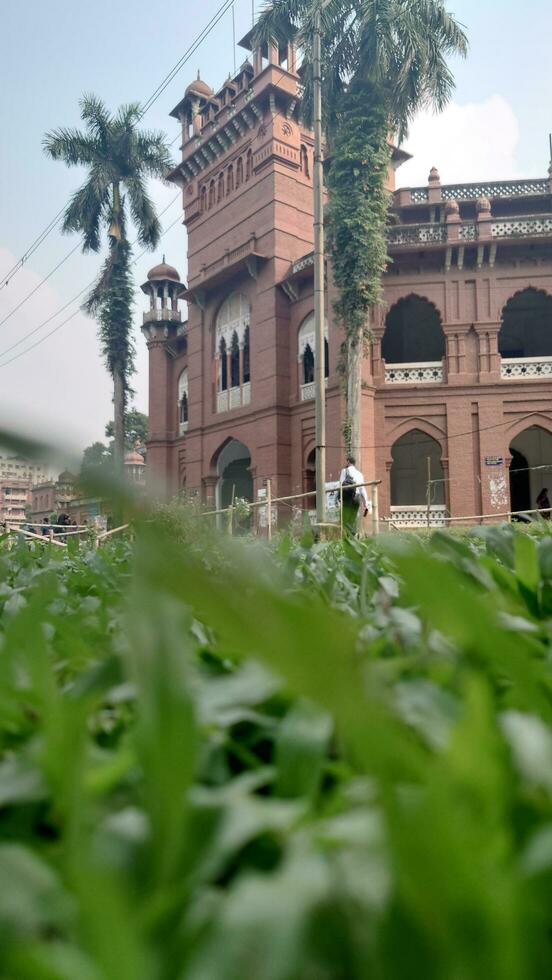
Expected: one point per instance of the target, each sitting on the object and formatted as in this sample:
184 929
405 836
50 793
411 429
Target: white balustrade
528 226
415 515
182 428
422 372
526 367
236 397
308 390
416 234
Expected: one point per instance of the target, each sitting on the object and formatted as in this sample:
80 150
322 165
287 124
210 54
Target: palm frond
143 213
70 145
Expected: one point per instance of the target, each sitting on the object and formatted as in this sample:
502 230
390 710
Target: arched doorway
526 329
530 450
413 332
309 503
233 469
409 480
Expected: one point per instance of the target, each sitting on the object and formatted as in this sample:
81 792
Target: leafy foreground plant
325 763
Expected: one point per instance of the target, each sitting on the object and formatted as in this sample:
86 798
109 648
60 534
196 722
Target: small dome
199 87
452 206
134 458
66 477
164 271
434 175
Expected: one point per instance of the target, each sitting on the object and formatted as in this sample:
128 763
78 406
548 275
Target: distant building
20 468
15 497
52 496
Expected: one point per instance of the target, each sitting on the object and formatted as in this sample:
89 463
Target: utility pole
318 192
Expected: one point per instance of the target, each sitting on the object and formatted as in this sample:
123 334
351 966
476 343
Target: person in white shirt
352 494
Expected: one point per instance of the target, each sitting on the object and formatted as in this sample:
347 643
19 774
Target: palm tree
382 61
119 158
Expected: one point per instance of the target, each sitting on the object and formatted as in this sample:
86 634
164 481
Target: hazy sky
51 51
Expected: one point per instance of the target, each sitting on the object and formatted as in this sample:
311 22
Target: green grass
310 762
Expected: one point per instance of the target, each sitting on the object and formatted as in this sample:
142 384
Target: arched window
305 353
409 470
304 160
413 332
246 357
239 172
230 179
530 467
220 191
526 329
203 198
211 194
223 376
249 165
235 361
183 401
232 331
308 365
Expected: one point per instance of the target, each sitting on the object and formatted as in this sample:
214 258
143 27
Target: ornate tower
166 341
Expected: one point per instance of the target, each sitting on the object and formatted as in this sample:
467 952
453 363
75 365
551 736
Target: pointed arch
230 179
530 466
526 325
413 332
211 194
409 454
220 188
249 165
239 172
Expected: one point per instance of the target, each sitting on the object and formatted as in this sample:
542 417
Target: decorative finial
163 258
198 75
434 175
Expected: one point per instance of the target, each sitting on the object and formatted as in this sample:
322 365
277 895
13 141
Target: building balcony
526 367
164 315
434 235
237 397
182 428
308 392
502 189
421 372
416 515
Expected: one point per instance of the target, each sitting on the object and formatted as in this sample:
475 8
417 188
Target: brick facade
465 251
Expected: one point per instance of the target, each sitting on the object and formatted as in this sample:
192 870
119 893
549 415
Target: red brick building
458 381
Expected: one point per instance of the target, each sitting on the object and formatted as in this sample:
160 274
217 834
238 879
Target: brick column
489 358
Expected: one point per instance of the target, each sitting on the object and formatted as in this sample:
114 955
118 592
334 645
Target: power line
39 285
31 249
64 307
225 6
6 279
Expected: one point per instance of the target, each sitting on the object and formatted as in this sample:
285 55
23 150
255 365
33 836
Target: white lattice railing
529 226
307 391
492 188
422 372
526 367
415 515
182 428
236 397
423 234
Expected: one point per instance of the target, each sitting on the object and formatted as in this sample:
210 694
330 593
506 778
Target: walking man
353 496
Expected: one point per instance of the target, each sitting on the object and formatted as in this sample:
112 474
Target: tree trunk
118 421
354 396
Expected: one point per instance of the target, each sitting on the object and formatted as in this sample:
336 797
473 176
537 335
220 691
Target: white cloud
59 391
471 142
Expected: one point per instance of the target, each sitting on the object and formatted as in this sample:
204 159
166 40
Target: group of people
57 524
